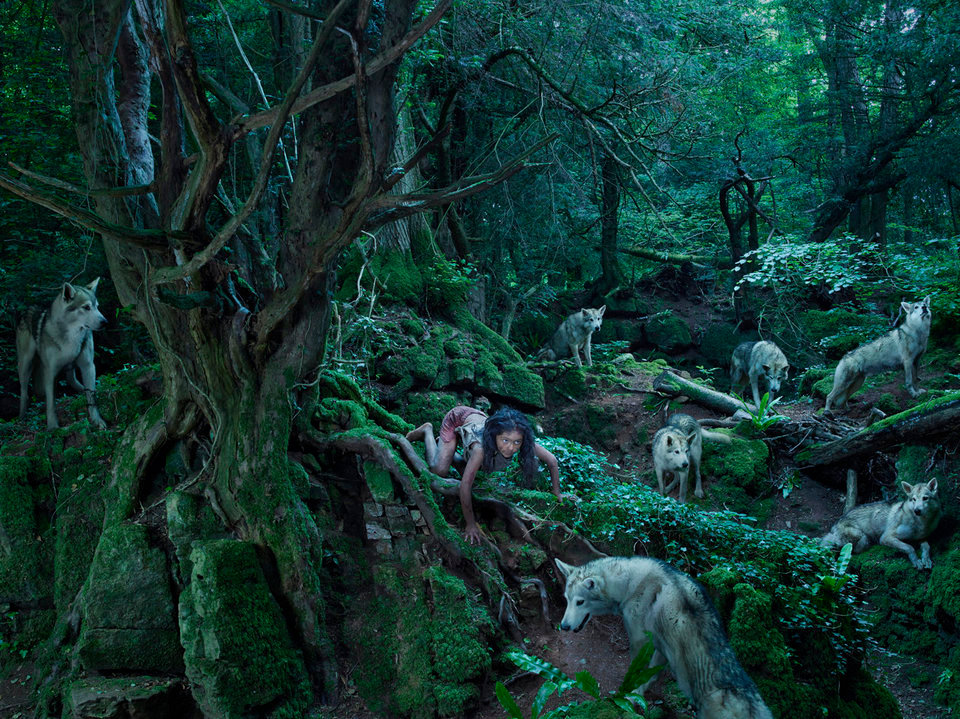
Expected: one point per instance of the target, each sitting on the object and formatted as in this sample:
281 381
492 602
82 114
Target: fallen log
930 419
674 385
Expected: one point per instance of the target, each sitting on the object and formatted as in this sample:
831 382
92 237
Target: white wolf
60 338
678 448
651 596
572 334
893 525
752 361
901 347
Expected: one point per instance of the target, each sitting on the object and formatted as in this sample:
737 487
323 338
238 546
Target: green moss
744 464
238 652
420 407
379 482
816 381
668 333
754 634
26 571
840 330
718 342
399 276
426 659
128 609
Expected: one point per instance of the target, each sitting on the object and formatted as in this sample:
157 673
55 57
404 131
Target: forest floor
601 647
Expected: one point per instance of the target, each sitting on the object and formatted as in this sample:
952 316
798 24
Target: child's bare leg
442 455
414 434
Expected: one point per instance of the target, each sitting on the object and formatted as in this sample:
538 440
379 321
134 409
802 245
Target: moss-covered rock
129 696
129 620
744 464
668 333
25 565
718 342
816 381
839 330
422 638
238 651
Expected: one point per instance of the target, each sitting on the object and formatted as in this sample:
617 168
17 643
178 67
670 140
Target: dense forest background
320 224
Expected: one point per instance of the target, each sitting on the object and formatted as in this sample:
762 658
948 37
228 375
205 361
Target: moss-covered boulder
25 565
837 331
668 333
744 463
456 359
129 617
238 651
129 696
718 342
426 658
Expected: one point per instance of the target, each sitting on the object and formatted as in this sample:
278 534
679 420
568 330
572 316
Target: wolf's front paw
916 392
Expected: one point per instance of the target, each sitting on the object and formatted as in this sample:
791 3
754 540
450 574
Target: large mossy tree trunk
237 344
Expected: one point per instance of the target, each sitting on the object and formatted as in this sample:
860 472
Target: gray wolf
901 347
60 338
573 334
677 448
753 360
651 596
893 525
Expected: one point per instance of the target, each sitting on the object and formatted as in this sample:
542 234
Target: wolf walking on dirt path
752 361
651 596
60 338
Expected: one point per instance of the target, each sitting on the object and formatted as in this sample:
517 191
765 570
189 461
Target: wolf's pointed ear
93 285
786 372
564 568
669 440
590 584
690 437
907 488
905 306
926 300
932 485
766 368
602 310
68 291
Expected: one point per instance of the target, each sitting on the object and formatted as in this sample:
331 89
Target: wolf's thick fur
677 448
60 338
572 334
652 596
901 347
894 525
753 360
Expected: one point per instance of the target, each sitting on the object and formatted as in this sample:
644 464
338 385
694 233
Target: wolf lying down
893 525
652 596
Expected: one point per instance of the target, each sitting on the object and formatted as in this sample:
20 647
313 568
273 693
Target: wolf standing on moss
651 596
60 338
572 334
902 346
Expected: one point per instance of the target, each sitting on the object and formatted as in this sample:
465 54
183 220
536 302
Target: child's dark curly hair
509 420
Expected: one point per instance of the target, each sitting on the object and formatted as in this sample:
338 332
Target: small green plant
763 417
626 698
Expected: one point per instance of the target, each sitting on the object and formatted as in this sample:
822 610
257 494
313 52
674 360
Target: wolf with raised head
677 449
60 338
651 596
573 334
752 361
901 347
898 525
